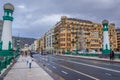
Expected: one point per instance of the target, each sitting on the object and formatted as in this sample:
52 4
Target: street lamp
106 43
18 45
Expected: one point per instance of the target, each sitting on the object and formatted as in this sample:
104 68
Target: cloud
19 9
49 19
21 6
34 17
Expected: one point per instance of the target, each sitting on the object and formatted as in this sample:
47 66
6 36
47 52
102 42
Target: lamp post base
106 51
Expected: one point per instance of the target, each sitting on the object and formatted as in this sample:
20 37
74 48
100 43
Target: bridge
14 65
59 67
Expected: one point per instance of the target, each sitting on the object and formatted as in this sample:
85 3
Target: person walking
29 61
112 55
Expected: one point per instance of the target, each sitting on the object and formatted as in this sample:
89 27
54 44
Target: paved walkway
20 71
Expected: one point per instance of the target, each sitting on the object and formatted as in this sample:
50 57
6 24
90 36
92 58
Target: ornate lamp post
106 43
6 47
18 45
7 27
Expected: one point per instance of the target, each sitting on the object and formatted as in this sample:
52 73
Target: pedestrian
25 53
22 53
112 55
31 54
29 61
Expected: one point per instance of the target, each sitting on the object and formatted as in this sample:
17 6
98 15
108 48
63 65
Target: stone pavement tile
20 71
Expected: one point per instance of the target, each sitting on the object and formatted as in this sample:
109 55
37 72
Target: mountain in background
23 41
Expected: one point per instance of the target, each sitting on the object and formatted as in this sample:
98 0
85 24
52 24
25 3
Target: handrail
7 60
91 54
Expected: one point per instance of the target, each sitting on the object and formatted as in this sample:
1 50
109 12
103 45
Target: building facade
71 33
118 39
42 44
49 38
36 45
32 47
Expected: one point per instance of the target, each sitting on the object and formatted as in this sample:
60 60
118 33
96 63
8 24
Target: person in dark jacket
112 55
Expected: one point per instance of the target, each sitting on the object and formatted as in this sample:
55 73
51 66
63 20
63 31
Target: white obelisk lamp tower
7 27
106 43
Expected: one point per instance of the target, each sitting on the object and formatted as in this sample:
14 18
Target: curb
92 58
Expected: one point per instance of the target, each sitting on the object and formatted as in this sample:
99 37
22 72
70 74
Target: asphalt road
70 68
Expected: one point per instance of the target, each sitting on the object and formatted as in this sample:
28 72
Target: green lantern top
8 11
105 25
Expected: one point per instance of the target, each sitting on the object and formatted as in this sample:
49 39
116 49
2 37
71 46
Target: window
62 39
62 34
68 34
68 44
62 44
10 14
62 30
68 39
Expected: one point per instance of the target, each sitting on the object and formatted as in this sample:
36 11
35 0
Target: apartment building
42 44
36 44
49 38
118 39
71 32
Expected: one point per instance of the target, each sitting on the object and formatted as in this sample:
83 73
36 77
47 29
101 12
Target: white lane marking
77 72
108 74
54 67
108 69
116 65
111 64
78 79
64 72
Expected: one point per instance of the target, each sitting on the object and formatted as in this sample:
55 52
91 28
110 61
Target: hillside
23 41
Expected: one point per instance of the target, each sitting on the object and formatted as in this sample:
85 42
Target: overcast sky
32 18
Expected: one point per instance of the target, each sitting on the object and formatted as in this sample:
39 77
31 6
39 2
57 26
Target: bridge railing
7 58
117 55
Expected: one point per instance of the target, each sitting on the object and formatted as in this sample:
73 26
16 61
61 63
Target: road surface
70 68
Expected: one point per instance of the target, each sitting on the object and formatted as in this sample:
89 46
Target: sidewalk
20 71
94 58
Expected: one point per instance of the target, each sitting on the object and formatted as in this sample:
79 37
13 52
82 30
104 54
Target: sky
33 18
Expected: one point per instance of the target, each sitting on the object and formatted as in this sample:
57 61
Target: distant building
1 27
22 41
40 44
32 47
36 45
118 39
49 37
